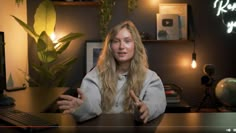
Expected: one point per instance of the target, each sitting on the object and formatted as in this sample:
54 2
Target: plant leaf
46 51
45 18
62 47
70 37
44 73
63 66
27 28
41 45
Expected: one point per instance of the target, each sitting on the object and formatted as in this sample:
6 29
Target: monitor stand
6 100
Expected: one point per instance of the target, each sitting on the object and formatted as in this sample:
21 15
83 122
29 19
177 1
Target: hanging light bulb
194 62
194 57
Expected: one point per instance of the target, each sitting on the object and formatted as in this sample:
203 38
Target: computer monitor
4 99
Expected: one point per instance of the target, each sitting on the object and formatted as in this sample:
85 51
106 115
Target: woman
120 82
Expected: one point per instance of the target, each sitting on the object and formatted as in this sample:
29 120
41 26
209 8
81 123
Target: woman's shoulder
92 77
151 75
150 72
92 73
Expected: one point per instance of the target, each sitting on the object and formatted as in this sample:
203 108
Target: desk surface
166 123
36 99
122 123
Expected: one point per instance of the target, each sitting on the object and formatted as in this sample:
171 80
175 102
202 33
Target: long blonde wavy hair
107 66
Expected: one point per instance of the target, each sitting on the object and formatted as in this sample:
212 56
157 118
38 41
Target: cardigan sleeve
153 95
91 106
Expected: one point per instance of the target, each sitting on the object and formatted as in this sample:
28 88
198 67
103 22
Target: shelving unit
75 3
166 41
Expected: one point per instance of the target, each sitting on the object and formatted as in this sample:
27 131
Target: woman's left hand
141 106
69 103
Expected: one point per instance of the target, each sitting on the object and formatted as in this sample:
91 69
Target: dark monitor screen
4 100
2 64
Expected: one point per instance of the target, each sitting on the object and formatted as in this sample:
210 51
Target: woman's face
123 46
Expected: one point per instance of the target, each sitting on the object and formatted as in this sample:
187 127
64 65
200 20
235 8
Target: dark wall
170 60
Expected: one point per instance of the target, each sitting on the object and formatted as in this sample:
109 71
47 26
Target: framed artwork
178 9
168 27
93 49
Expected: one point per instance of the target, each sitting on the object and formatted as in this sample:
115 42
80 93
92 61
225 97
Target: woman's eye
115 41
128 41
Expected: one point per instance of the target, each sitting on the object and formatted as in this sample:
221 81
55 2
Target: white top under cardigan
152 95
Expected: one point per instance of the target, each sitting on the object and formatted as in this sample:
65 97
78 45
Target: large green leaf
27 28
70 37
64 42
43 71
45 76
63 66
41 45
47 40
62 47
45 49
45 18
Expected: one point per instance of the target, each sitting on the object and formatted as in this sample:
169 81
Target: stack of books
172 95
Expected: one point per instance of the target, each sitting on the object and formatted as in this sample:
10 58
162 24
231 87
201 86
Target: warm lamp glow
153 2
194 57
194 63
184 62
53 37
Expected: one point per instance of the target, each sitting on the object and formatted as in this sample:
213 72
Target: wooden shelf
75 3
167 41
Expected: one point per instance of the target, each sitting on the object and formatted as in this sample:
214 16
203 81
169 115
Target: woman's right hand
68 104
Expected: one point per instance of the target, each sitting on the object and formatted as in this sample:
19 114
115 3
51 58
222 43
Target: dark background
171 61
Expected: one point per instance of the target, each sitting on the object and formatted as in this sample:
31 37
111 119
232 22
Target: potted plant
105 13
51 72
132 4
105 16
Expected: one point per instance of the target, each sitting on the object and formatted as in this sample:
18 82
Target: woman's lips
121 53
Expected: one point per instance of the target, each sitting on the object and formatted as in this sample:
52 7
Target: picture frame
93 50
168 27
180 9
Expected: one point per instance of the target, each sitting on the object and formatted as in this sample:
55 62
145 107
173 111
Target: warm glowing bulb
53 37
194 64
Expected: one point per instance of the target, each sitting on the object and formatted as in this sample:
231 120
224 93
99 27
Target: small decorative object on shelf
145 36
75 2
175 15
168 27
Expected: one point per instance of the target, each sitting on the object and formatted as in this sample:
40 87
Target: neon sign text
224 6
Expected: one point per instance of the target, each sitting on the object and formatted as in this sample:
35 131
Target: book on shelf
173 99
171 93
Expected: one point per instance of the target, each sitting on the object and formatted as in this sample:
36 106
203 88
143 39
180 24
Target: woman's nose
121 45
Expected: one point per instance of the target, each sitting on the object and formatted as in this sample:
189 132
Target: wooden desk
167 123
124 123
181 107
35 99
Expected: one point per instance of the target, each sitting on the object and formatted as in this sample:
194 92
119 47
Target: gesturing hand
69 103
141 107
